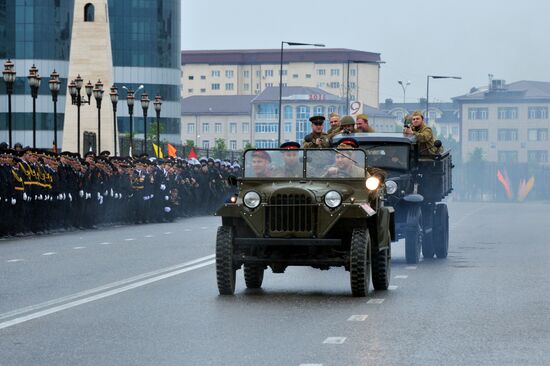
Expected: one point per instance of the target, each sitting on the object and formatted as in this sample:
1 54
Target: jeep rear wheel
441 234
359 270
225 270
413 236
381 267
253 275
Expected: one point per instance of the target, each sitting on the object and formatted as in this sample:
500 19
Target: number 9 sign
354 107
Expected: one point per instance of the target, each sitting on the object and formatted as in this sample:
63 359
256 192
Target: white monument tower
91 58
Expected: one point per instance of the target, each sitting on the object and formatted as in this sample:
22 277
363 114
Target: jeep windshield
388 156
293 163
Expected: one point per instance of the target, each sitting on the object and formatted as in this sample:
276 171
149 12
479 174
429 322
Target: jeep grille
291 213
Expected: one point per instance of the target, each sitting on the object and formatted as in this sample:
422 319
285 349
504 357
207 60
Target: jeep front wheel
253 275
359 270
225 269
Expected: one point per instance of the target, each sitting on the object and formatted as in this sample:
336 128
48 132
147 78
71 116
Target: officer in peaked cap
291 168
317 138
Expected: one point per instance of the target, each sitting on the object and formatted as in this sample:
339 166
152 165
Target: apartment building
349 74
509 122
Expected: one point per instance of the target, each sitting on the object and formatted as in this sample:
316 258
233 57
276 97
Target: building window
218 128
507 134
233 145
266 127
267 85
216 86
537 134
454 131
191 77
478 113
266 144
352 85
205 127
267 111
537 156
285 72
507 113
302 119
190 90
190 128
246 73
507 156
268 73
246 87
308 76
321 72
232 127
288 112
229 74
89 12
331 109
478 135
203 77
352 72
206 144
246 127
334 85
215 73
228 86
334 72
295 76
319 110
258 73
538 112
203 90
288 127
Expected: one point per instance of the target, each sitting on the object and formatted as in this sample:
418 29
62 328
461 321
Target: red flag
192 154
171 151
505 182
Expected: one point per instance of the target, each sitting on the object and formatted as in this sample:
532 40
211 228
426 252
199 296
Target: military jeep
415 185
308 208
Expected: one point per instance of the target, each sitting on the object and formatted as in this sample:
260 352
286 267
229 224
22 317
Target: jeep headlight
391 187
373 183
333 199
251 199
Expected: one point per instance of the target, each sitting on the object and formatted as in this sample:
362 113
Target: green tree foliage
190 143
219 149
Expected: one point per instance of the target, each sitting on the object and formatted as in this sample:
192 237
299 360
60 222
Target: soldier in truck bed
424 135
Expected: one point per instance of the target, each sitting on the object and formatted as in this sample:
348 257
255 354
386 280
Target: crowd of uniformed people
42 191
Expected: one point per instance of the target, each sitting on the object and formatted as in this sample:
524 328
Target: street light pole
98 95
404 87
281 80
114 101
75 88
158 104
34 82
145 106
9 79
54 85
130 101
428 90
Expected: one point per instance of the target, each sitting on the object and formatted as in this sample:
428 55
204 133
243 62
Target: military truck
312 208
416 183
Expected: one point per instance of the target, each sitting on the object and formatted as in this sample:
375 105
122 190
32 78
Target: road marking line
392 288
14 260
357 318
204 227
186 229
49 253
410 267
129 239
77 248
103 295
105 243
103 288
311 364
329 340
401 276
148 236
168 233
375 301
456 223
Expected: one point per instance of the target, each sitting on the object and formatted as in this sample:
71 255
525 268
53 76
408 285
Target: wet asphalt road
146 295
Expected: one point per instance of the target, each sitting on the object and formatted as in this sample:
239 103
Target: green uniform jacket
312 145
425 139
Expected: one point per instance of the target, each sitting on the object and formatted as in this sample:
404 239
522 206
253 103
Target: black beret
317 119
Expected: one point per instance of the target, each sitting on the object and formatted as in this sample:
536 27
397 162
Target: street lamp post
158 104
130 100
428 89
98 95
34 82
54 85
281 80
75 88
145 106
404 87
9 79
114 101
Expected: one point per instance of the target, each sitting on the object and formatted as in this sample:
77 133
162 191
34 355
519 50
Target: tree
476 156
248 145
152 132
190 143
219 148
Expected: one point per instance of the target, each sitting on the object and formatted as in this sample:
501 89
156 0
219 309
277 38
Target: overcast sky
469 38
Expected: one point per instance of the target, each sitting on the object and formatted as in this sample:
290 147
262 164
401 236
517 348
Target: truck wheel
359 270
442 231
225 271
253 275
381 267
413 236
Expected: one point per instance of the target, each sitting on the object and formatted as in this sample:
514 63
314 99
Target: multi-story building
509 122
145 46
349 74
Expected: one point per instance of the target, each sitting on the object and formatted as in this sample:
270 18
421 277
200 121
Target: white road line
103 288
311 364
77 248
329 340
186 229
392 288
357 318
148 236
49 253
168 233
204 227
103 295
410 267
129 239
14 260
458 222
375 301
105 243
401 276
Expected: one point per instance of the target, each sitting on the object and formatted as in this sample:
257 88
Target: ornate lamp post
75 87
54 85
34 82
9 79
145 106
98 95
158 104
130 100
114 101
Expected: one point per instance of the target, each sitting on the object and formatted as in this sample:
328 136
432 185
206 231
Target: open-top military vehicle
415 185
305 208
